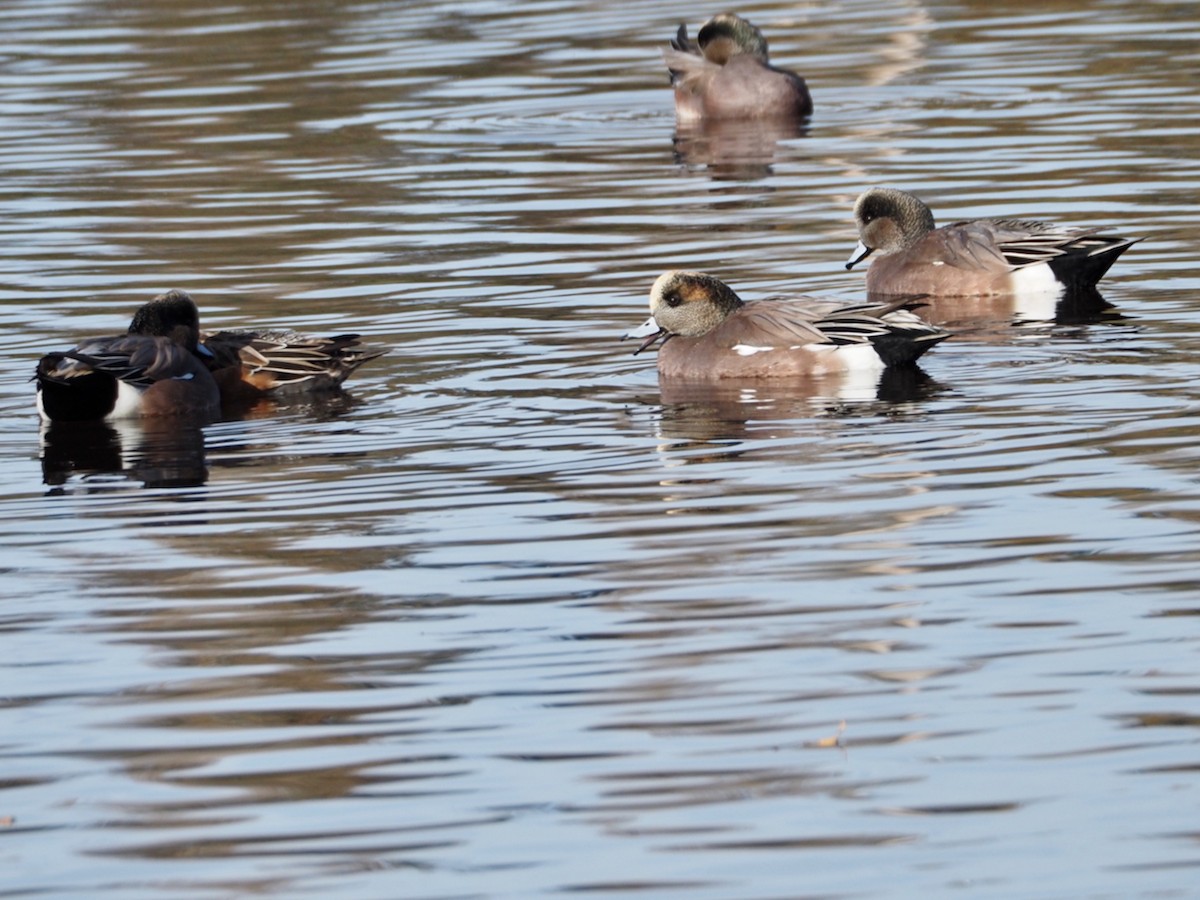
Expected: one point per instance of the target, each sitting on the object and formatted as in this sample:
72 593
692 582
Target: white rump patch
750 349
860 380
1036 293
1035 279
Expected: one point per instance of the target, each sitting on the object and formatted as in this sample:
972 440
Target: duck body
977 257
131 375
726 74
165 366
250 364
709 333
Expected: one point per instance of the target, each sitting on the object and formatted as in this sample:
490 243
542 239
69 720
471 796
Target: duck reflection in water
734 150
167 452
989 319
698 411
151 452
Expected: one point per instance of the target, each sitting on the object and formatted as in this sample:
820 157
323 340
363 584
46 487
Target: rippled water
510 619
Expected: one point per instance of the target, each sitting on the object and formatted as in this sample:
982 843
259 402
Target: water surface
511 619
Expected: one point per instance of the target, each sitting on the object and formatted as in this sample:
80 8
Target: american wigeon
984 256
710 333
153 374
250 364
726 74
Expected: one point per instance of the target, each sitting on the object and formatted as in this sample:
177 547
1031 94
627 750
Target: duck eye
673 299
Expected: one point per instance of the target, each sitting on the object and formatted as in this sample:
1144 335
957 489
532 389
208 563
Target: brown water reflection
730 409
513 618
994 318
734 150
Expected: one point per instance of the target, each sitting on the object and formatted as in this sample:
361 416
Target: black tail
680 42
79 398
903 347
1085 262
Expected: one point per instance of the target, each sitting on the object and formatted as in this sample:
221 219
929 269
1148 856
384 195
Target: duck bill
861 252
649 330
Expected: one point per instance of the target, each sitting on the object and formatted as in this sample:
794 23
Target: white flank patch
129 402
852 357
863 368
1035 293
750 349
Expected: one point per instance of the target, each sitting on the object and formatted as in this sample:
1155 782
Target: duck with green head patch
156 371
978 257
707 332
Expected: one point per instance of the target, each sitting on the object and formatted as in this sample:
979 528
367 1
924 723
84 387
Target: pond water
510 619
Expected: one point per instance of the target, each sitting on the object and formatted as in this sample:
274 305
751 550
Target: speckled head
687 304
691 304
889 221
